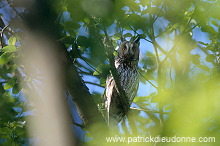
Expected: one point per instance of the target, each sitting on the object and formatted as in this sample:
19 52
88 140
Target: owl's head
128 51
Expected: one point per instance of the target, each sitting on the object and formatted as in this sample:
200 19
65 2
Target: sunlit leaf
167 107
204 67
10 83
133 5
210 58
127 35
196 59
141 99
215 23
10 48
207 28
12 40
202 43
12 68
5 58
153 10
102 81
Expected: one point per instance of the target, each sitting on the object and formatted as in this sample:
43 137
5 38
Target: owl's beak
128 56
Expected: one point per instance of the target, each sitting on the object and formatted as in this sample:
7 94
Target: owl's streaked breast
129 79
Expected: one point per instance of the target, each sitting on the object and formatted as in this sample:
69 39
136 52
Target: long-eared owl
126 63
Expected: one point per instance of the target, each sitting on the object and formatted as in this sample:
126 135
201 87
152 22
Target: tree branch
2 37
87 108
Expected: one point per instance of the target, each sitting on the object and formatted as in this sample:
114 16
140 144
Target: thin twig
148 40
155 18
86 61
138 34
131 122
2 82
19 14
169 53
79 125
167 28
156 112
94 84
2 37
160 48
83 66
85 73
148 81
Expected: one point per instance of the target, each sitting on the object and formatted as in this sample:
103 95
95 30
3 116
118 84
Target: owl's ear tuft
137 39
123 39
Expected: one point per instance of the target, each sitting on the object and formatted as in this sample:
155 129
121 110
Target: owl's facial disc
128 51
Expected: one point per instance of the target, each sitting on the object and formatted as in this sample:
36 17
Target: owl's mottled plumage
126 63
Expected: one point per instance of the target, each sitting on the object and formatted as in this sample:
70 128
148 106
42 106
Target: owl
126 63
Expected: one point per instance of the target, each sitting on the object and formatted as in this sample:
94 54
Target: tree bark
87 108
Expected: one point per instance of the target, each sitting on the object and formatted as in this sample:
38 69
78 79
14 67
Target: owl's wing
110 83
112 103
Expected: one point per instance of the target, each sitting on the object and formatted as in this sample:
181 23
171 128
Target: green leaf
10 83
202 43
64 8
9 48
210 47
16 89
141 99
208 29
210 58
102 81
70 25
133 5
96 73
168 107
83 41
117 36
5 130
5 57
12 68
97 97
142 36
196 59
127 35
145 3
12 40
75 53
171 27
153 10
203 67
67 40
102 68
1 89
215 23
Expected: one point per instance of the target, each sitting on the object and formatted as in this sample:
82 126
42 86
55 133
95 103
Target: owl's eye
133 49
124 49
